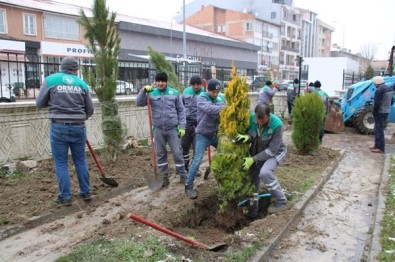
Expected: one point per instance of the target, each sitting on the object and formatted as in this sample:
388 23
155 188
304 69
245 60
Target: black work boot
277 208
192 194
166 181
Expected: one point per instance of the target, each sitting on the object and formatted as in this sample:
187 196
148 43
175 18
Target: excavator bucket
334 119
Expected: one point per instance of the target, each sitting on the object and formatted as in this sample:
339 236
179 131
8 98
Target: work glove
181 132
242 138
148 88
248 161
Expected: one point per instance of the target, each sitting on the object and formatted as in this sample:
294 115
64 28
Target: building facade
35 35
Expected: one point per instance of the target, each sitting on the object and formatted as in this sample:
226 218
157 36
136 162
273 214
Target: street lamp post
184 36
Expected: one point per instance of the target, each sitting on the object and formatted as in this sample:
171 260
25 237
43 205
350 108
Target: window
3 22
61 27
221 29
249 26
29 24
273 15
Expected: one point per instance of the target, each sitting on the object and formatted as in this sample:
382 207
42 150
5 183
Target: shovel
103 178
155 181
247 201
176 235
208 169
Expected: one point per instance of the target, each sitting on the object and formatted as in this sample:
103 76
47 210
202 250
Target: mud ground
106 216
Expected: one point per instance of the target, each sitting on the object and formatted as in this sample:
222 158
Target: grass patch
388 222
306 178
243 254
6 173
3 221
106 250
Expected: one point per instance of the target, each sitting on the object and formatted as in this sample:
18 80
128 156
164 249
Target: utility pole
184 35
300 61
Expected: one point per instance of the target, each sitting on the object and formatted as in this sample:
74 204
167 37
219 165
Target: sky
361 22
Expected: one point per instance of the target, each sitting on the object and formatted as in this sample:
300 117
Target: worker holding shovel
267 151
189 98
209 105
168 120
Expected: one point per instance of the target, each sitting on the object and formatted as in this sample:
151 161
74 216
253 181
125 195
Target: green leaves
233 183
162 65
308 118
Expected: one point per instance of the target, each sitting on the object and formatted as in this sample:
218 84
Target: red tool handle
94 157
167 231
209 154
153 157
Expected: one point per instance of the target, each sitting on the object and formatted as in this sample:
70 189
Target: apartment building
323 39
279 13
36 34
244 27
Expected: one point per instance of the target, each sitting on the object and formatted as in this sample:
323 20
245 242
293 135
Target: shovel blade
109 181
206 173
155 181
217 247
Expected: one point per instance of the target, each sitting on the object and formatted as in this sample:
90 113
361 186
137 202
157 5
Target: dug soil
27 200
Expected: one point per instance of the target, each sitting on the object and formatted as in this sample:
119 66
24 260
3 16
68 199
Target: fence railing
22 75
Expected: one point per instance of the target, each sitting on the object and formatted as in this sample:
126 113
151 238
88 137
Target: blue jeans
201 143
379 140
63 137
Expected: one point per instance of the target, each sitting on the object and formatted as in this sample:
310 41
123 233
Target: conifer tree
233 182
104 43
307 119
162 65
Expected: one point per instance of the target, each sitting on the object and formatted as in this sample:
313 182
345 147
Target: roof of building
74 10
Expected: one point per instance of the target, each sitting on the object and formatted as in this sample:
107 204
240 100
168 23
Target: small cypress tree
104 43
162 65
233 182
308 114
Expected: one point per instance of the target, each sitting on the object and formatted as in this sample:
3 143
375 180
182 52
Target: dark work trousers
264 170
188 141
379 140
170 137
290 104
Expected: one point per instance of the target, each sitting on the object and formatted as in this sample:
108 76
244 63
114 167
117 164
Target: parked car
6 95
125 88
258 82
283 85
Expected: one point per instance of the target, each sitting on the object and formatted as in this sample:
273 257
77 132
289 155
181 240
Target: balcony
267 34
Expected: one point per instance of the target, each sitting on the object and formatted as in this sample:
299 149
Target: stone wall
24 129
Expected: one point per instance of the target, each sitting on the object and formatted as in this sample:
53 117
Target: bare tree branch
369 50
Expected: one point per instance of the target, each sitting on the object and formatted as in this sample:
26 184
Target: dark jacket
208 113
382 99
272 139
67 97
189 98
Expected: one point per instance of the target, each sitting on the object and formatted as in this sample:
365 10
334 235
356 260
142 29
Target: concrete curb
264 254
375 245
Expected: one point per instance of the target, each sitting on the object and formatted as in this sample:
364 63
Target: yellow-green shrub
233 182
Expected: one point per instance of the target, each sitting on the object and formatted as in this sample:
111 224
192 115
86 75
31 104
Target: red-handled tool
106 180
176 235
